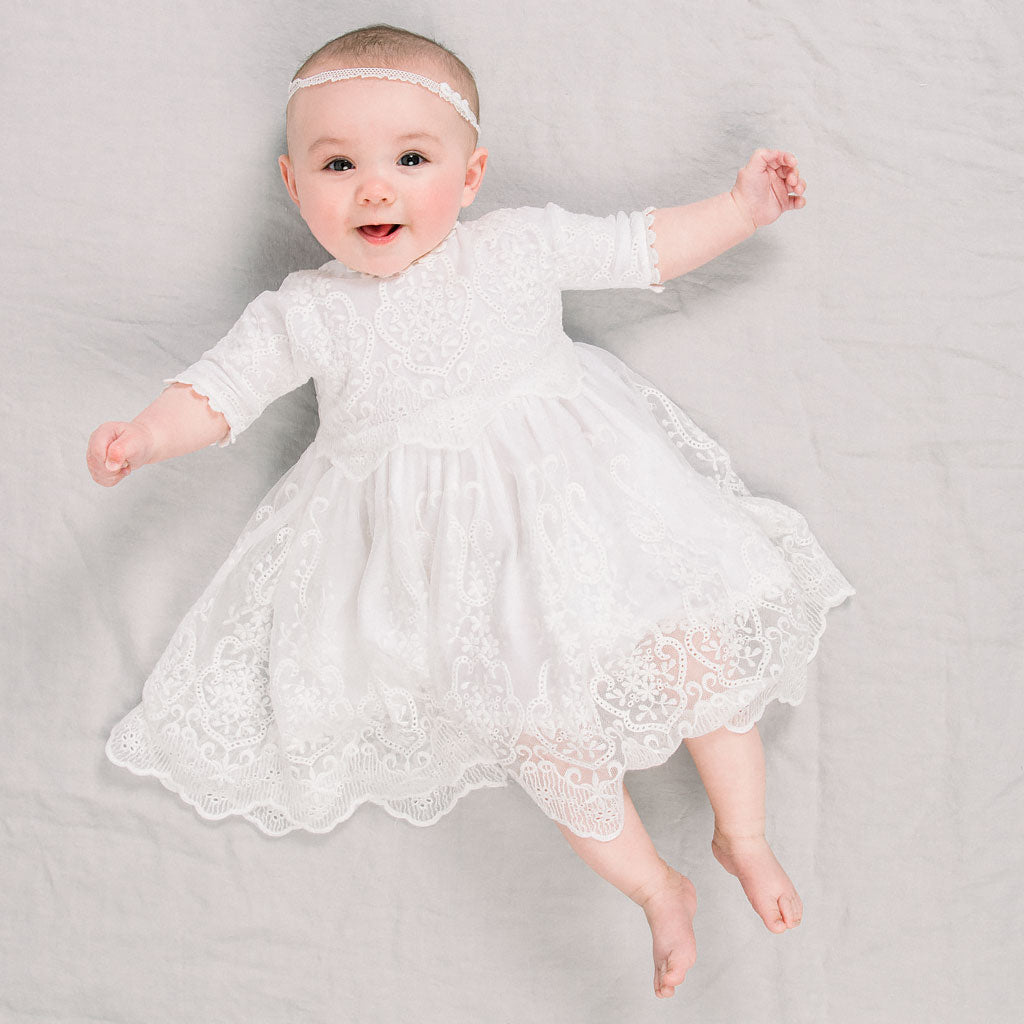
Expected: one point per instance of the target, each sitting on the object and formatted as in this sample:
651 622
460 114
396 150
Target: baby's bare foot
767 886
670 906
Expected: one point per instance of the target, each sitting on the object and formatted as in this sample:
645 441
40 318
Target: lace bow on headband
442 89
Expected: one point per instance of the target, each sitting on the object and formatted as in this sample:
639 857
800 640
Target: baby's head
380 167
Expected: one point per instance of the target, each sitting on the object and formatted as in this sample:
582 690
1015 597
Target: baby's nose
376 189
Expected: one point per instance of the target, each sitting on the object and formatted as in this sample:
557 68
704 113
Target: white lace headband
442 89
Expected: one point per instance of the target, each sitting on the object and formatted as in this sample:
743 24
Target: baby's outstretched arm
177 422
688 236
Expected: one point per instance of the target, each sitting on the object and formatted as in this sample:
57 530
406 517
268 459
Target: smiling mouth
378 234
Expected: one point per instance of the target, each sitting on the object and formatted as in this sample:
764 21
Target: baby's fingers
784 163
775 159
114 457
106 460
794 185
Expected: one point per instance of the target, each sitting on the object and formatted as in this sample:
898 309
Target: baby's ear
285 163
474 175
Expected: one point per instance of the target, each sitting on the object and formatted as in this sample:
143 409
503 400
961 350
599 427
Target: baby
383 154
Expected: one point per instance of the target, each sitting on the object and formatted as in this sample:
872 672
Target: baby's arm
177 422
688 236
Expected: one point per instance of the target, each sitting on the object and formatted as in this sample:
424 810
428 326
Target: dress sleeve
254 363
589 252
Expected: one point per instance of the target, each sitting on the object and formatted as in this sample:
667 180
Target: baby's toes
670 973
662 989
791 909
769 909
782 913
677 968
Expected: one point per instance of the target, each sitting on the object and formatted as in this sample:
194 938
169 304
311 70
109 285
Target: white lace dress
505 555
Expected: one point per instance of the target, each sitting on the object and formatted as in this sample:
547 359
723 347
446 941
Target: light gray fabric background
860 360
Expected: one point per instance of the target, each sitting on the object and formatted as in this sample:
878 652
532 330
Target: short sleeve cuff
652 252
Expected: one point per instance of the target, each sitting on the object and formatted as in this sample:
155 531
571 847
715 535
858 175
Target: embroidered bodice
427 355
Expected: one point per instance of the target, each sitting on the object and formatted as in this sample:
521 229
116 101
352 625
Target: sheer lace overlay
505 556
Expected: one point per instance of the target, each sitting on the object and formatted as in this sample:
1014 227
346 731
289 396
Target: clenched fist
115 449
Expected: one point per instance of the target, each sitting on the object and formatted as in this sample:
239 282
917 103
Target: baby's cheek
321 218
443 202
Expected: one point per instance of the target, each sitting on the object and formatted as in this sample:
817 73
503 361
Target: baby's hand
115 449
768 186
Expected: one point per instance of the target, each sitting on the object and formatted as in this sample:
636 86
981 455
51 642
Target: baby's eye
347 164
412 159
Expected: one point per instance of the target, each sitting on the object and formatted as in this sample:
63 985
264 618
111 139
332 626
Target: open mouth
378 233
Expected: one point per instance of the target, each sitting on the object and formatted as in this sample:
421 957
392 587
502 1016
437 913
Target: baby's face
379 169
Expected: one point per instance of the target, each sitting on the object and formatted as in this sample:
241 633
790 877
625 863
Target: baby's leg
632 864
731 766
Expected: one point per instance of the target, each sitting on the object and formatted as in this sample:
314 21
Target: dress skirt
568 598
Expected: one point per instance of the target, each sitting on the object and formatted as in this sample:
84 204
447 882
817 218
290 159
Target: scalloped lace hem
554 792
274 819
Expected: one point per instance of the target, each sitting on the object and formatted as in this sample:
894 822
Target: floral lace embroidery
560 582
428 355
312 676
